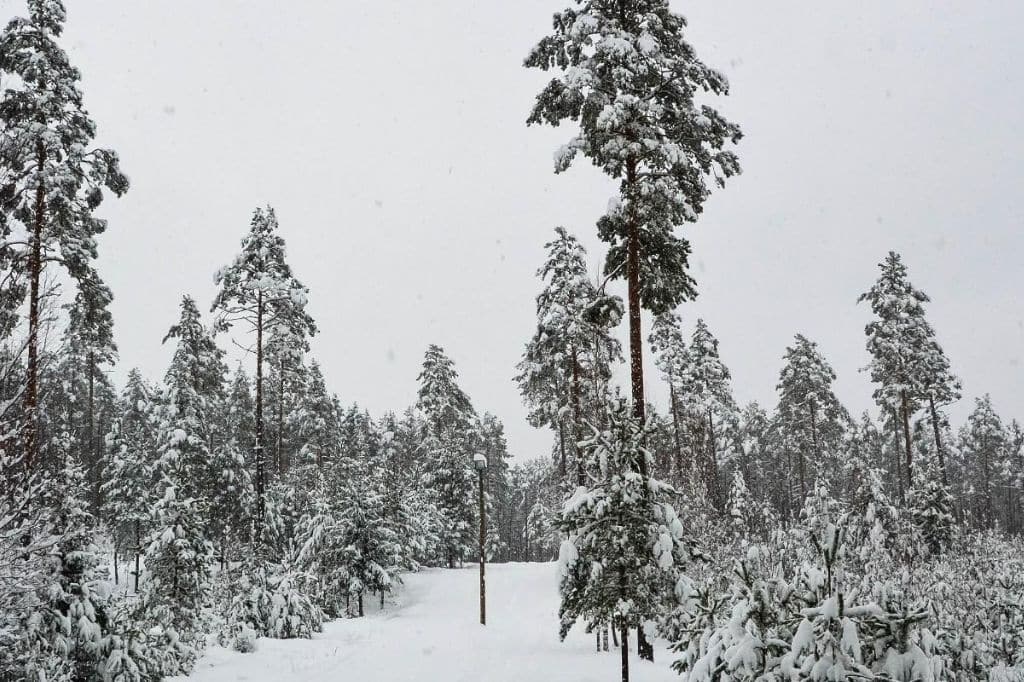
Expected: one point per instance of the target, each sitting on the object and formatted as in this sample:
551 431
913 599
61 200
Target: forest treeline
227 502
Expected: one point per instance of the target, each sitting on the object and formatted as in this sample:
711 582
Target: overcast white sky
390 137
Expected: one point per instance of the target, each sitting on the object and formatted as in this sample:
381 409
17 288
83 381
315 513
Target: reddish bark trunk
35 266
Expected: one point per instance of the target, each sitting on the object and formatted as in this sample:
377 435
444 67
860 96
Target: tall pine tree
259 291
53 178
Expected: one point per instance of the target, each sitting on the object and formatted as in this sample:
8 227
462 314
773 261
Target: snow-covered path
432 633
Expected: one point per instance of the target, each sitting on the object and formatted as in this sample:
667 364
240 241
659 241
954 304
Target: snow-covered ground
431 632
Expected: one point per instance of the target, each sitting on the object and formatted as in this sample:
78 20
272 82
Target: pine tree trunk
94 459
580 478
905 409
675 426
258 454
35 267
896 453
117 574
138 551
938 439
814 430
359 603
986 470
712 470
604 636
636 348
636 362
562 466
803 475
280 421
624 634
788 497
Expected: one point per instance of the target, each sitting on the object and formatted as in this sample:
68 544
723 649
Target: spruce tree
259 291
53 178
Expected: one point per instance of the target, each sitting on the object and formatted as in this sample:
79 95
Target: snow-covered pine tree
178 555
178 558
941 388
67 623
931 507
982 449
541 534
230 501
452 483
493 446
53 178
239 415
259 290
449 448
740 507
372 555
669 348
195 381
753 442
320 551
707 401
443 403
130 471
624 546
811 420
403 499
320 424
902 347
285 355
89 342
629 78
567 347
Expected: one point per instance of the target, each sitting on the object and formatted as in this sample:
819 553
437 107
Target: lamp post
480 463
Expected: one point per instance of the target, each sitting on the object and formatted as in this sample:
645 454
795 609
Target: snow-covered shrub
271 606
244 640
845 595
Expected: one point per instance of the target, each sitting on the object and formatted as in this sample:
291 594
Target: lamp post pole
480 462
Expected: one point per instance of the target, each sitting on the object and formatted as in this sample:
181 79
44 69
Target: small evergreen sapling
625 547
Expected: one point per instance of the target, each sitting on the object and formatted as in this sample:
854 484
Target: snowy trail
432 633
